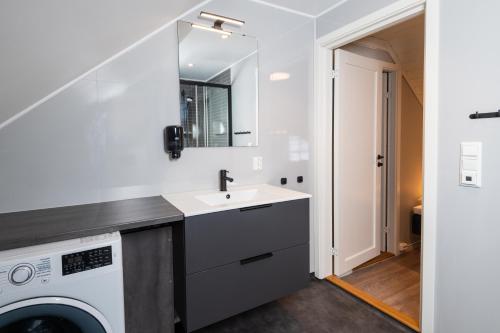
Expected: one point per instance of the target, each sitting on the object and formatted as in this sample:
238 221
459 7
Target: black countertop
26 228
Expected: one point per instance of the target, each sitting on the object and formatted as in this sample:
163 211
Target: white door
357 142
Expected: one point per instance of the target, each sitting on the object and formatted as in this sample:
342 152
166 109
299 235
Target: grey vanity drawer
220 238
224 291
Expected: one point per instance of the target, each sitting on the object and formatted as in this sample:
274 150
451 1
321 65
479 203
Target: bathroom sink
229 197
211 201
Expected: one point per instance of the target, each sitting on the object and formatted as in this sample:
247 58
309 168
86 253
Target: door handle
256 258
380 157
255 207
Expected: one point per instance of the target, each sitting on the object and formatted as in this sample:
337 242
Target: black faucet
223 179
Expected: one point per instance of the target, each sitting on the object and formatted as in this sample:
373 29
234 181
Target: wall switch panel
470 164
257 163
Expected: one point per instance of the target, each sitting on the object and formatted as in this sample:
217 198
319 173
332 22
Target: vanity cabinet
238 259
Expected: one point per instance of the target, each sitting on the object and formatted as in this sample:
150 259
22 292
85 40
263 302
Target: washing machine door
52 315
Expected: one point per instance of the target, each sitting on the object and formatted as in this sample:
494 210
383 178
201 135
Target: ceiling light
190 65
204 27
222 18
279 76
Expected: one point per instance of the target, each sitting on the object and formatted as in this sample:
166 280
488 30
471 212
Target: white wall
101 139
468 219
244 92
47 43
346 13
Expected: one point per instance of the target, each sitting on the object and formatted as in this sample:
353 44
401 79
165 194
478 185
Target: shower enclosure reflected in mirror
218 88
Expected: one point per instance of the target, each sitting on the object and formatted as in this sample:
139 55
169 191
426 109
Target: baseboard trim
369 299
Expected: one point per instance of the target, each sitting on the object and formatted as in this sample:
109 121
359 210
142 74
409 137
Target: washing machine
73 286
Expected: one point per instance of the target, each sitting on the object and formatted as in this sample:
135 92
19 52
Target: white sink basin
229 197
203 202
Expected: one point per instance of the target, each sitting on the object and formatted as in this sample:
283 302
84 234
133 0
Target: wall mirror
218 87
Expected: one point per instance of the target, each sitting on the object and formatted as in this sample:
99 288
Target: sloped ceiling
311 7
407 41
46 44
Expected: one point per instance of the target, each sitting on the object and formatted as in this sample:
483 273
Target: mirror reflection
218 87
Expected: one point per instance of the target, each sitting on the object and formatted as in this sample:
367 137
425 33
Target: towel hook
478 115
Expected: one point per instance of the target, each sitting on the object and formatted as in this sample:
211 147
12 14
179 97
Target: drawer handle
255 207
256 258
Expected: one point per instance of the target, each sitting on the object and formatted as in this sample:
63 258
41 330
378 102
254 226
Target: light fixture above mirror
204 27
218 22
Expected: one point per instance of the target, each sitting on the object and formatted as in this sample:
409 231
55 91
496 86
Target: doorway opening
377 168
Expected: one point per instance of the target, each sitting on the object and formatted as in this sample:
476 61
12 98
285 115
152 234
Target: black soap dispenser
173 137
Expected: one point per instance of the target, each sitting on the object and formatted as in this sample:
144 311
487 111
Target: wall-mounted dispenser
173 137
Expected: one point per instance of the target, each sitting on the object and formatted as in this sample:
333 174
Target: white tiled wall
45 44
101 139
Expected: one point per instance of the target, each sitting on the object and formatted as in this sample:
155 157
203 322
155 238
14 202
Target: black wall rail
484 115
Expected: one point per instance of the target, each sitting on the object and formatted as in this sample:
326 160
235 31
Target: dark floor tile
320 308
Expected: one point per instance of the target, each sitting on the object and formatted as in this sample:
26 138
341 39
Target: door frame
324 133
391 195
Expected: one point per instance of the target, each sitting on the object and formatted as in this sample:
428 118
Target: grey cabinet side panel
224 291
148 275
221 238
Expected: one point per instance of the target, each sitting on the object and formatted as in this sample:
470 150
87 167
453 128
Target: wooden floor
394 281
383 256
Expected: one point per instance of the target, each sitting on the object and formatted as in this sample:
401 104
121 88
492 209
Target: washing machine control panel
21 273
86 260
40 269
